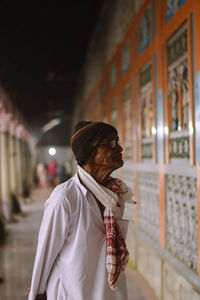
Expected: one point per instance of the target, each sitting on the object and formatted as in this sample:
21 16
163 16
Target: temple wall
142 76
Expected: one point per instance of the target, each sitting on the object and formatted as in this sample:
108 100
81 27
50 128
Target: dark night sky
42 49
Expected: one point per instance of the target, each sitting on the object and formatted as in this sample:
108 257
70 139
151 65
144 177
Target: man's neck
99 173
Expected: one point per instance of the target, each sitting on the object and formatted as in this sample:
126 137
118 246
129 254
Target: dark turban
84 137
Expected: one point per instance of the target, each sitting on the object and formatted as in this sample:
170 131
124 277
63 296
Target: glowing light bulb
153 130
166 130
52 151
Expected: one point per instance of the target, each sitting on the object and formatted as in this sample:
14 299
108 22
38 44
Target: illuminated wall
150 90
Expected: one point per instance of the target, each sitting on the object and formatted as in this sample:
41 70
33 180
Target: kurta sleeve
52 235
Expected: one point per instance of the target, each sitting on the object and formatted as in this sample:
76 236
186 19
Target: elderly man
81 252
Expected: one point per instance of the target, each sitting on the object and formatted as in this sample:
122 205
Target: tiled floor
17 255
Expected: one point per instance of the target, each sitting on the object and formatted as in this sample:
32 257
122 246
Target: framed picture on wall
127 119
178 94
146 110
126 57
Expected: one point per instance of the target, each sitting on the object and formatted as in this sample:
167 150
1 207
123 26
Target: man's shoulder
64 188
67 191
70 184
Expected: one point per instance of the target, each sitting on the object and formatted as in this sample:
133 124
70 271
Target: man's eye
113 143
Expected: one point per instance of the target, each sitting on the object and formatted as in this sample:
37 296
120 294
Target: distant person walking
52 166
61 174
42 174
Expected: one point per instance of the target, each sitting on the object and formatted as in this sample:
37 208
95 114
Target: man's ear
90 159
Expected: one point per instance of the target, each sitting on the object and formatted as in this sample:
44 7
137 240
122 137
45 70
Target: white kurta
71 252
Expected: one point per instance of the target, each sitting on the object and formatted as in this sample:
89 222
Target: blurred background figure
61 174
52 167
68 169
42 174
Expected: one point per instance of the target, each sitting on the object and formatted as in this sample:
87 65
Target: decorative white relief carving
181 218
149 203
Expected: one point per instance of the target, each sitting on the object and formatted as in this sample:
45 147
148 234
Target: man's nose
119 148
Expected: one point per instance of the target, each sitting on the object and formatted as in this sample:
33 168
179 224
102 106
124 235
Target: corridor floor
17 254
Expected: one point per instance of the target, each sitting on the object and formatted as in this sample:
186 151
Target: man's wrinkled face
108 153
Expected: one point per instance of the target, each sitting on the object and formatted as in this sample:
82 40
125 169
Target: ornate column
32 160
25 159
19 133
29 161
13 158
5 170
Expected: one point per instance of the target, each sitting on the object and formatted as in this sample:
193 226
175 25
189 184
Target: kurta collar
81 186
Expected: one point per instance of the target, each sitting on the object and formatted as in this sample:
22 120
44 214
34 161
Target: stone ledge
189 275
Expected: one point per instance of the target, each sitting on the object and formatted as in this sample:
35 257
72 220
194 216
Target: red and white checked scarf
116 251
